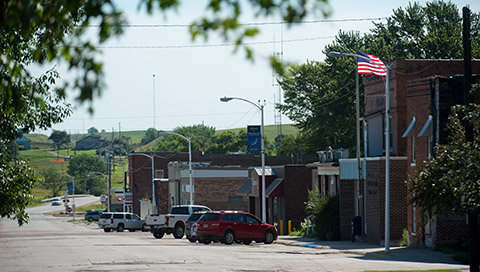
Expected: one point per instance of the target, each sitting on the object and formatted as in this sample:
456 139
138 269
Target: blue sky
190 80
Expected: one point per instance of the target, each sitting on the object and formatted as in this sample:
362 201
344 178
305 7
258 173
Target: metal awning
246 188
274 189
427 128
410 130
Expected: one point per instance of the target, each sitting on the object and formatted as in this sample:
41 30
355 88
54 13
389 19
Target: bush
327 215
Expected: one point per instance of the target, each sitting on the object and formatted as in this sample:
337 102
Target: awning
427 128
246 188
410 130
275 189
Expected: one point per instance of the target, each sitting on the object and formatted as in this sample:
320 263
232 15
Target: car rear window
106 215
180 210
209 217
194 217
118 216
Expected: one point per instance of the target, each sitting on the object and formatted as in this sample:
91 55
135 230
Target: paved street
53 244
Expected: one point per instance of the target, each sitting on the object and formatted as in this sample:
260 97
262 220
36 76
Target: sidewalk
369 251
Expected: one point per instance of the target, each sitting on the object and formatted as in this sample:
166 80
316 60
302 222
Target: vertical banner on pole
254 139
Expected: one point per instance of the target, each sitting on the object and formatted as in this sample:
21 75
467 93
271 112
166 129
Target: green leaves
450 181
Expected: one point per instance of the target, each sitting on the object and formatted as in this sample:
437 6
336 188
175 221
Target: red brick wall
214 193
347 210
297 182
375 198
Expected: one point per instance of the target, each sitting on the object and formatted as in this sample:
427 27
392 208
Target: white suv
119 221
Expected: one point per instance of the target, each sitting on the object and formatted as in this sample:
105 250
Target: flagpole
387 138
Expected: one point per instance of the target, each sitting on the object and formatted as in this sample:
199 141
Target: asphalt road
50 243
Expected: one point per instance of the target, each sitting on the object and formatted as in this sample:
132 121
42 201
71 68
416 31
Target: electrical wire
206 45
249 24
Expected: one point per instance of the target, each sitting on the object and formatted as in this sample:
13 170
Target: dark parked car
191 227
93 215
231 226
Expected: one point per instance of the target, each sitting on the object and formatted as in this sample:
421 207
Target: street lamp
108 187
189 140
387 142
73 194
124 185
260 107
154 199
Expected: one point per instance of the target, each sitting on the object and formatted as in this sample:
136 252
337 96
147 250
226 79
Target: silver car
119 221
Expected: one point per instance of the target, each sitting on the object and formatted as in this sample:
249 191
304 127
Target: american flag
371 67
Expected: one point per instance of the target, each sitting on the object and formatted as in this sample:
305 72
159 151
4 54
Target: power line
249 24
205 45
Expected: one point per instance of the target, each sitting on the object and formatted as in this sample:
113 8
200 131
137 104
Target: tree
92 130
150 135
287 145
59 138
449 182
40 111
226 142
85 169
52 180
118 146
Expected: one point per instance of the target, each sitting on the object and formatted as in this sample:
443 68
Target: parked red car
232 226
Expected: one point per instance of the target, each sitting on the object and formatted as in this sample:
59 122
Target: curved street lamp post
387 142
189 140
260 107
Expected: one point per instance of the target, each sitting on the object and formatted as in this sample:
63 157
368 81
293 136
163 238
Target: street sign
70 188
69 209
254 139
128 198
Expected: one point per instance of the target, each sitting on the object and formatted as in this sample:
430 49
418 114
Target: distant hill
41 141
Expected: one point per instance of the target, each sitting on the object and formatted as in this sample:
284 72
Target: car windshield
209 217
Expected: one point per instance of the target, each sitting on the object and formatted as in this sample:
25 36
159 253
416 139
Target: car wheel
192 240
247 242
120 228
268 239
106 230
179 231
143 228
158 234
207 242
229 238
90 219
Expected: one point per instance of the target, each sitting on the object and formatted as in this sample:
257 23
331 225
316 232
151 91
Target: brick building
429 101
207 179
286 191
140 174
416 87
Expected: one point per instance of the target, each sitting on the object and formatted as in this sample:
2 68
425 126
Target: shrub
327 215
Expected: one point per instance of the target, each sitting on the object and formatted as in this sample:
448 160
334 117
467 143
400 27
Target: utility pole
467 65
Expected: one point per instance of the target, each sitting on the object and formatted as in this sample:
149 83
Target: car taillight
111 221
187 223
166 220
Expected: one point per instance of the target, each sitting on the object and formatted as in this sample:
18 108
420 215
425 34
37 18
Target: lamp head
225 99
335 54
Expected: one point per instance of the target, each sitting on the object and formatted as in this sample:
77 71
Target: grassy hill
271 131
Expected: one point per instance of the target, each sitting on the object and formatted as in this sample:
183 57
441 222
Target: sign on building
254 139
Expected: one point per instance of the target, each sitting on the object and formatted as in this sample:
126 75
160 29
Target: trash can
356 227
